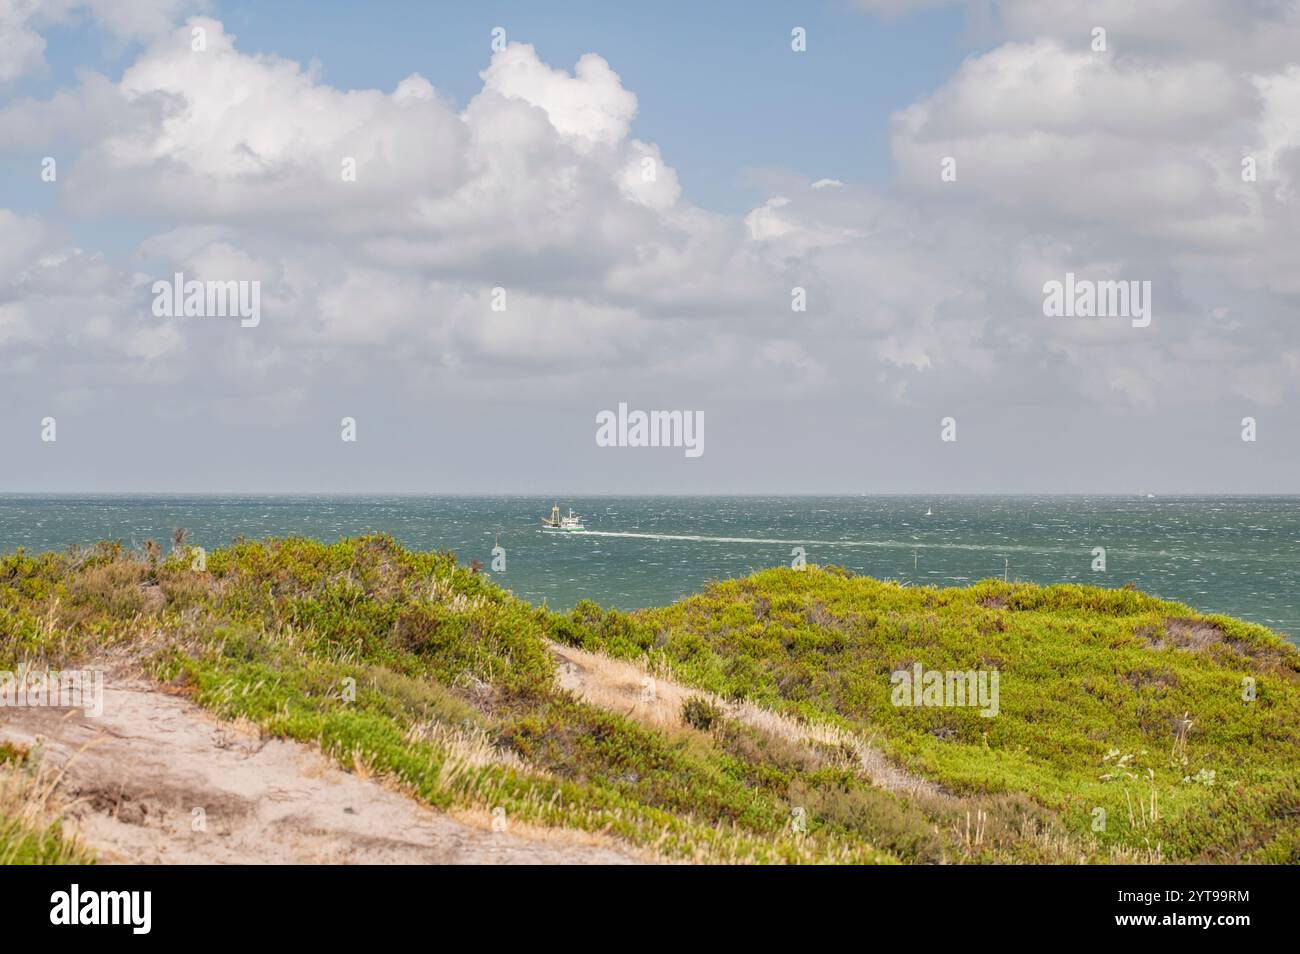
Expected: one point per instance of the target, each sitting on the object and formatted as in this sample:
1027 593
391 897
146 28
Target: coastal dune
157 780
293 700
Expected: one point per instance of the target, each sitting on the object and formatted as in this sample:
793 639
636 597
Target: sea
1238 555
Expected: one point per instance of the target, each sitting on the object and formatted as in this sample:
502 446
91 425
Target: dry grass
1192 634
467 748
656 700
30 815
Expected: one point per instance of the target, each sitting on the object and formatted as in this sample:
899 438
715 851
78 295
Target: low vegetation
408 665
1136 723
30 833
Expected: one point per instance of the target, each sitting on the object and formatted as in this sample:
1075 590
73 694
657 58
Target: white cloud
1123 165
590 108
22 48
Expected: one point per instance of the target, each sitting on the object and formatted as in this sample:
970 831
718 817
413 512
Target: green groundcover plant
1127 728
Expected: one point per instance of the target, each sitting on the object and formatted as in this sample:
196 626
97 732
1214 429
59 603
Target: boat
929 512
555 521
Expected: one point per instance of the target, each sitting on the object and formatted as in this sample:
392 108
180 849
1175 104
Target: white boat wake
772 541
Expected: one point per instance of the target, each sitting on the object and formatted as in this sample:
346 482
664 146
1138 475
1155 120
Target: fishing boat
557 522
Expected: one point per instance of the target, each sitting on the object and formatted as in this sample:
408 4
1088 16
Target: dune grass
408 665
30 829
1183 729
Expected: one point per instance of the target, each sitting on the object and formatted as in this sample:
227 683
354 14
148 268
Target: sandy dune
156 779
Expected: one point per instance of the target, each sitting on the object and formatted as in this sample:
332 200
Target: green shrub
700 713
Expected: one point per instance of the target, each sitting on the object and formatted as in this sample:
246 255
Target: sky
828 231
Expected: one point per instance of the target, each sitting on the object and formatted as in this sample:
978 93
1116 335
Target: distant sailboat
929 512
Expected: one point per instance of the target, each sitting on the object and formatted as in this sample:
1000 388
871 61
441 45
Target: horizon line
664 494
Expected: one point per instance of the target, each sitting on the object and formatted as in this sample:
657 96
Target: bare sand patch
656 700
156 779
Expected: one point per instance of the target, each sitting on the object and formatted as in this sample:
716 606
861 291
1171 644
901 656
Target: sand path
156 779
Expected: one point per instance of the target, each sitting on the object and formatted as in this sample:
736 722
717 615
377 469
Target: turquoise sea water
1235 555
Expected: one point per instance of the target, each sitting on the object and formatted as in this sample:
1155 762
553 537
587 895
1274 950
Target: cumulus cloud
22 47
1089 135
589 108
1129 162
1116 165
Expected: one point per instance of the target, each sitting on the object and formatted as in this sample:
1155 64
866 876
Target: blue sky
717 88
669 292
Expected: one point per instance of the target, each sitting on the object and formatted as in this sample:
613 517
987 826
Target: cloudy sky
648 185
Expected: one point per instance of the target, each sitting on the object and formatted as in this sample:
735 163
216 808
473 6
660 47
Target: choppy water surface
1236 555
